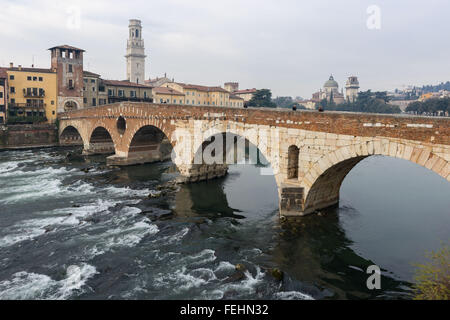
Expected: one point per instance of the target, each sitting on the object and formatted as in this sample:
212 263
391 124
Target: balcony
114 99
35 106
33 94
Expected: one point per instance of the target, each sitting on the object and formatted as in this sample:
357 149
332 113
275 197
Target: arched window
137 33
293 159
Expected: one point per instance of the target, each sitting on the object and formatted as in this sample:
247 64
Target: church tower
135 53
352 89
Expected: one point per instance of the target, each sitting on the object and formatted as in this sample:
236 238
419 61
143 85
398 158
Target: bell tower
135 53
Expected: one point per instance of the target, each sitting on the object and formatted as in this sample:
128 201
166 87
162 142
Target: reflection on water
71 233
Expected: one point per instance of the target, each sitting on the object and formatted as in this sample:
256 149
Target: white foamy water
27 286
292 295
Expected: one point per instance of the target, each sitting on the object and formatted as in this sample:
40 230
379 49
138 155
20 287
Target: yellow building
236 102
168 95
32 93
196 95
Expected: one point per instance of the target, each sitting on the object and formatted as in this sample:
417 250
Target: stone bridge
310 153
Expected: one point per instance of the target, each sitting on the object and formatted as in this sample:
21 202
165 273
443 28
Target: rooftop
203 88
90 74
36 70
67 47
126 83
245 91
164 90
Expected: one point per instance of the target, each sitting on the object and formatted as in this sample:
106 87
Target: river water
70 233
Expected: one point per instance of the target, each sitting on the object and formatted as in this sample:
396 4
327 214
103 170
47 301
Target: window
85 80
34 78
133 94
161 100
1 94
13 90
85 100
94 102
53 112
93 89
92 80
41 79
120 93
110 93
11 77
70 68
13 101
29 78
70 83
53 102
293 162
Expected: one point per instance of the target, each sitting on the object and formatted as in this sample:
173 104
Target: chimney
20 67
11 65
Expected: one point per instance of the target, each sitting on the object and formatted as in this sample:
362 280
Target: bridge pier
202 172
291 200
99 148
149 153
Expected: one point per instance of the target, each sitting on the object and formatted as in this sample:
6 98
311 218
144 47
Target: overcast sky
291 47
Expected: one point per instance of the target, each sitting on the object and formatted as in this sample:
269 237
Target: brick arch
102 124
223 127
323 181
130 134
78 127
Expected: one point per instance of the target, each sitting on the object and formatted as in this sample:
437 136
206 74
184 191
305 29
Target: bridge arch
70 136
149 143
323 181
100 141
220 148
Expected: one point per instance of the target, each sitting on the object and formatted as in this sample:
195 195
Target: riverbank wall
28 136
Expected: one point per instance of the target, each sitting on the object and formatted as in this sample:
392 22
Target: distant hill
442 86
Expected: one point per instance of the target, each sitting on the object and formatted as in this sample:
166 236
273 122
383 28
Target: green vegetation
287 102
25 119
439 87
433 278
370 102
262 99
432 106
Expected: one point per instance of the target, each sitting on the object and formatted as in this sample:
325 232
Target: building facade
32 93
168 95
231 86
3 95
135 53
68 63
352 89
246 94
197 95
118 91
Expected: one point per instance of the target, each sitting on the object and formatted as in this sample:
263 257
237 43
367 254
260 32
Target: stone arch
149 143
323 181
70 135
100 141
70 105
200 169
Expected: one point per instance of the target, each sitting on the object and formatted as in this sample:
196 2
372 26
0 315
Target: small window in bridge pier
293 159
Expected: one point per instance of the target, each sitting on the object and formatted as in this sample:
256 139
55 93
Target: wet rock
76 206
277 274
240 267
49 229
158 215
92 220
155 195
237 276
